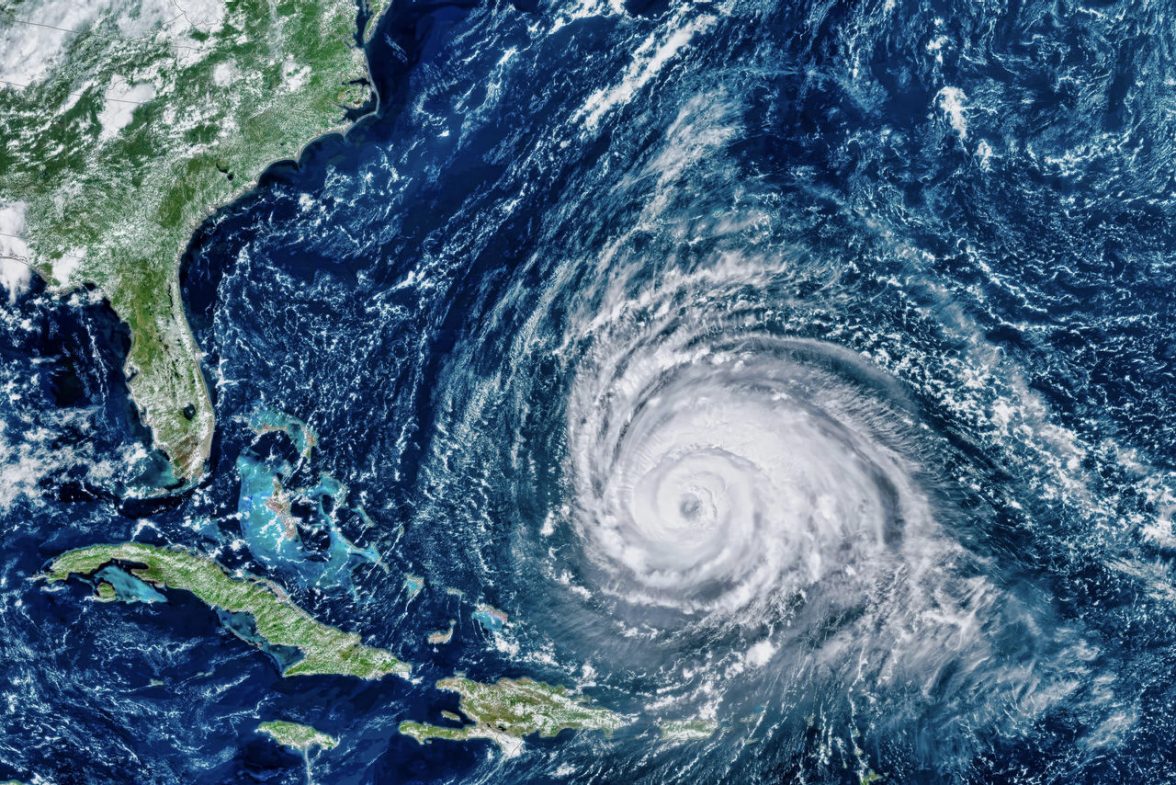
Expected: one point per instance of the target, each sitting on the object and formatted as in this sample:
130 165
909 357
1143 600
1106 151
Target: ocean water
803 368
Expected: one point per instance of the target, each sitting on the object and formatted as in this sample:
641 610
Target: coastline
189 464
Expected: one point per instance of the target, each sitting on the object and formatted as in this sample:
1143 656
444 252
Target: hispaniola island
600 392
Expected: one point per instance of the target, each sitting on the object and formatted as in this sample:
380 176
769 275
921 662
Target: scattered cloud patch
760 654
15 273
648 61
122 100
951 101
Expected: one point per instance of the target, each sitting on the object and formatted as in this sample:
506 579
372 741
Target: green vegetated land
298 736
509 709
505 711
128 123
687 730
278 622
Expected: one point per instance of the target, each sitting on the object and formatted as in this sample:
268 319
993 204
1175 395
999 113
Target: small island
297 736
441 637
686 730
254 609
508 710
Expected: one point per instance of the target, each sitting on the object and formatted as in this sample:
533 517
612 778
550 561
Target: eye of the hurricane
745 474
689 494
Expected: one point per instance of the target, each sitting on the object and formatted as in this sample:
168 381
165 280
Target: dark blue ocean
807 370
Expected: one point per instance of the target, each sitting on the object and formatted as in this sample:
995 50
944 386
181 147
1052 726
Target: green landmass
297 736
126 124
687 730
510 709
278 621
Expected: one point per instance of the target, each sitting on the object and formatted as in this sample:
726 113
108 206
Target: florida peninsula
124 125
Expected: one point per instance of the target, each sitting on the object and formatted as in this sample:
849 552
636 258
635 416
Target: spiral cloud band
718 478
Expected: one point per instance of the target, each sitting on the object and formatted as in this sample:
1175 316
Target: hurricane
733 513
711 479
